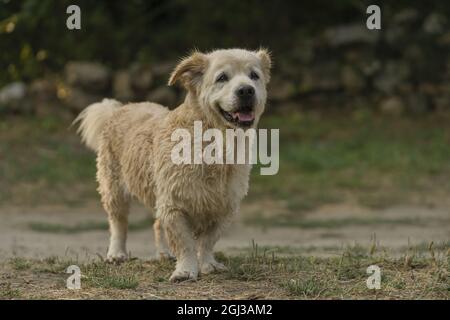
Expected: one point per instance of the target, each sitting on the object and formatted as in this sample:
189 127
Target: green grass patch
86 226
20 263
299 222
380 161
308 288
324 158
53 265
101 275
44 162
9 293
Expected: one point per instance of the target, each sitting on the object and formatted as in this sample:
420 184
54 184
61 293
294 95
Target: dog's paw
212 266
164 255
184 275
116 257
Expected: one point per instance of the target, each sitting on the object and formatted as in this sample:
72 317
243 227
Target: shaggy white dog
225 89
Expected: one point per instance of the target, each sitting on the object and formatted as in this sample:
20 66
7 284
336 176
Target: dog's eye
222 78
254 76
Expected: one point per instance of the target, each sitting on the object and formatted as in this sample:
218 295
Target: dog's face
230 85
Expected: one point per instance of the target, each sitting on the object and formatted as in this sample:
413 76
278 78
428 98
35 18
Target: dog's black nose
245 92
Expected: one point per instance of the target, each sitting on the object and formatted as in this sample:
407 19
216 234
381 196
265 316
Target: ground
324 257
351 192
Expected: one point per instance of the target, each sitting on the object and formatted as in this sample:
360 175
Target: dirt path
23 231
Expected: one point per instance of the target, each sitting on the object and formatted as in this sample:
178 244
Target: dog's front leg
162 249
206 258
182 244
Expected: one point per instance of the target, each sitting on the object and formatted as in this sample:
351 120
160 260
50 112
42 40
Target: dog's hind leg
116 202
206 242
182 244
162 249
118 227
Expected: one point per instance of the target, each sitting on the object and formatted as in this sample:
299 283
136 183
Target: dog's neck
192 111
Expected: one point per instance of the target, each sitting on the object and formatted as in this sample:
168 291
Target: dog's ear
190 71
266 62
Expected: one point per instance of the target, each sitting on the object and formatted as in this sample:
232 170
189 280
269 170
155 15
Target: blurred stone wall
402 69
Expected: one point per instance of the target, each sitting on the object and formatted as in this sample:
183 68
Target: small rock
392 106
418 103
396 35
434 23
12 92
122 86
429 88
406 16
350 34
322 77
43 93
13 97
413 53
163 95
370 66
141 77
442 102
352 80
90 76
445 39
78 99
392 76
43 90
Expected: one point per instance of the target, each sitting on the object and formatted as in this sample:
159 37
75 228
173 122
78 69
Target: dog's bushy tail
92 121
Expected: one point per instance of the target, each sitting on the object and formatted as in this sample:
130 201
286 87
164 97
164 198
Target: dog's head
230 85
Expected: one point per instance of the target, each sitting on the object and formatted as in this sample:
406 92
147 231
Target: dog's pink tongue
245 116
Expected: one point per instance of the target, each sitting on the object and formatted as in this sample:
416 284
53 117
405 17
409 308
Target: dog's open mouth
243 117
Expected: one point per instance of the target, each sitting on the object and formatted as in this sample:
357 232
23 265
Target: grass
294 222
309 287
324 158
100 275
40 160
8 293
375 161
424 246
52 265
257 273
86 226
20 263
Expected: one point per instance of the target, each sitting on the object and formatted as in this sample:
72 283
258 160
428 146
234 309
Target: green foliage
116 31
34 38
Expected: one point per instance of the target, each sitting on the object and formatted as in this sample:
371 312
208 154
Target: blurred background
364 115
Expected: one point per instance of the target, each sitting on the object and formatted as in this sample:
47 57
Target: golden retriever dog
226 89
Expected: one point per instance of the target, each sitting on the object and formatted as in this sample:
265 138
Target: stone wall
402 69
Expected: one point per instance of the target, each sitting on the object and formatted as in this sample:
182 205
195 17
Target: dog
226 89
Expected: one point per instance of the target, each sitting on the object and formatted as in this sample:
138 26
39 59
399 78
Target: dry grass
374 161
256 274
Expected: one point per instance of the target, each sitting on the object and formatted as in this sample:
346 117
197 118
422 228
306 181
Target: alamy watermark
73 282
373 22
374 280
236 146
73 22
